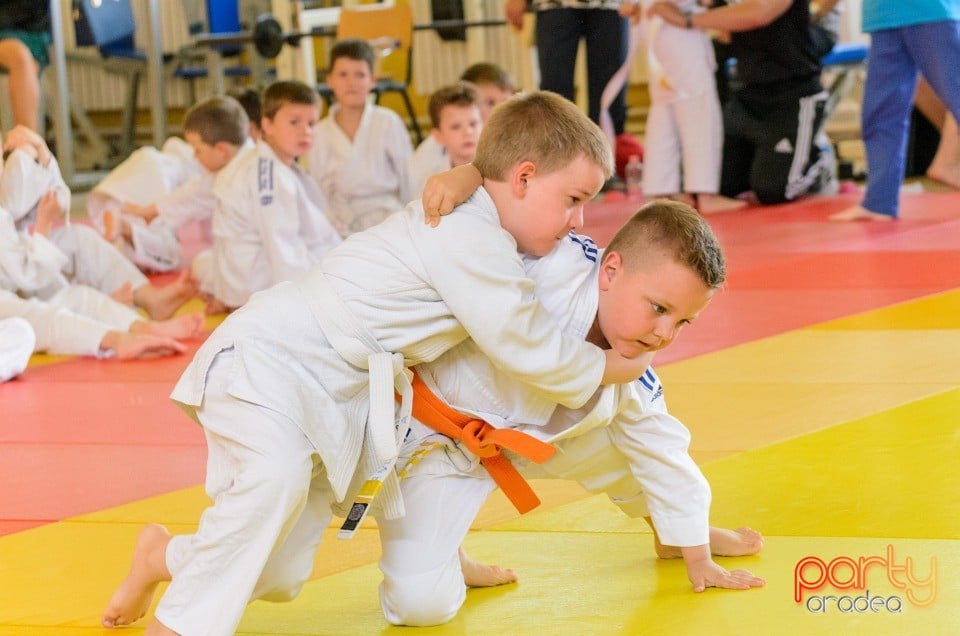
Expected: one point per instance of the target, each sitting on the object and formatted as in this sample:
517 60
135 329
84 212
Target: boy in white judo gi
295 390
146 200
456 124
659 272
42 263
361 154
269 224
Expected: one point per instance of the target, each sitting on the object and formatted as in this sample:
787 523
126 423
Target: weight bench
843 62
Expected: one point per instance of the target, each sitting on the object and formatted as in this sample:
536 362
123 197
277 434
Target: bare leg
161 302
477 574
945 166
180 328
132 599
859 213
23 80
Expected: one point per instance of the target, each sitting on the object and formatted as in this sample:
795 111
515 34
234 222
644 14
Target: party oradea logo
864 584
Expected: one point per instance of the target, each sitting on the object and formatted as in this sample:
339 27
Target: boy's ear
435 133
609 268
521 173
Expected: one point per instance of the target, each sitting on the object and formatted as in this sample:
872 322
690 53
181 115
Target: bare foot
857 213
127 345
180 328
723 542
111 225
214 306
739 542
161 302
124 295
948 174
132 599
156 628
715 204
477 574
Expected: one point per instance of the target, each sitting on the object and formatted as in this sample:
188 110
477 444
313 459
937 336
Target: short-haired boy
494 85
657 275
360 158
143 203
456 124
295 390
269 223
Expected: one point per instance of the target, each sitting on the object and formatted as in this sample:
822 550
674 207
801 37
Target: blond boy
295 391
360 158
456 124
269 223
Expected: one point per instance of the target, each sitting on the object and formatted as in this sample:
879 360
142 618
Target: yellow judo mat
840 442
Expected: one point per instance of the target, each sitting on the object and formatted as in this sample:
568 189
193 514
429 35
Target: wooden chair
374 22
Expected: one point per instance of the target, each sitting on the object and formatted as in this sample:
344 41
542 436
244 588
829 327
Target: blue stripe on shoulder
586 244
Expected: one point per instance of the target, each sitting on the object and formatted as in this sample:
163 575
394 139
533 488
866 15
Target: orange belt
486 442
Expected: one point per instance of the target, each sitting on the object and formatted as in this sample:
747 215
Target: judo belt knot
486 442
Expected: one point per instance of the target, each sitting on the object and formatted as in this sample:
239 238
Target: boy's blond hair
218 119
285 92
488 73
460 94
543 128
677 229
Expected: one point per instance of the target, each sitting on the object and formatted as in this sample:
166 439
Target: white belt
384 432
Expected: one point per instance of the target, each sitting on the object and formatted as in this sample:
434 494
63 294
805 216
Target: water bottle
633 175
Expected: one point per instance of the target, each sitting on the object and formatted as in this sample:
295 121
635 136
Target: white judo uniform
16 346
364 179
269 226
428 159
60 284
295 391
622 443
684 132
173 180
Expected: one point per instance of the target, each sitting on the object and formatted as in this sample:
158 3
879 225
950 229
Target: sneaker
827 181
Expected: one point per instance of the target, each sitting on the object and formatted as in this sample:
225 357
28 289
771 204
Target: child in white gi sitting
74 253
360 158
295 390
148 199
38 280
658 274
269 224
456 125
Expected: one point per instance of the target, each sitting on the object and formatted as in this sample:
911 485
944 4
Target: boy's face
459 132
545 208
490 95
351 82
211 157
643 308
290 133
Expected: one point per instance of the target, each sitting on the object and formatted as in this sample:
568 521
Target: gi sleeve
28 263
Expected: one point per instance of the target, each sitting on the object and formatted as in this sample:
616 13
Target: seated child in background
284 387
361 154
494 86
69 318
16 346
41 264
658 274
146 200
456 124
269 223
